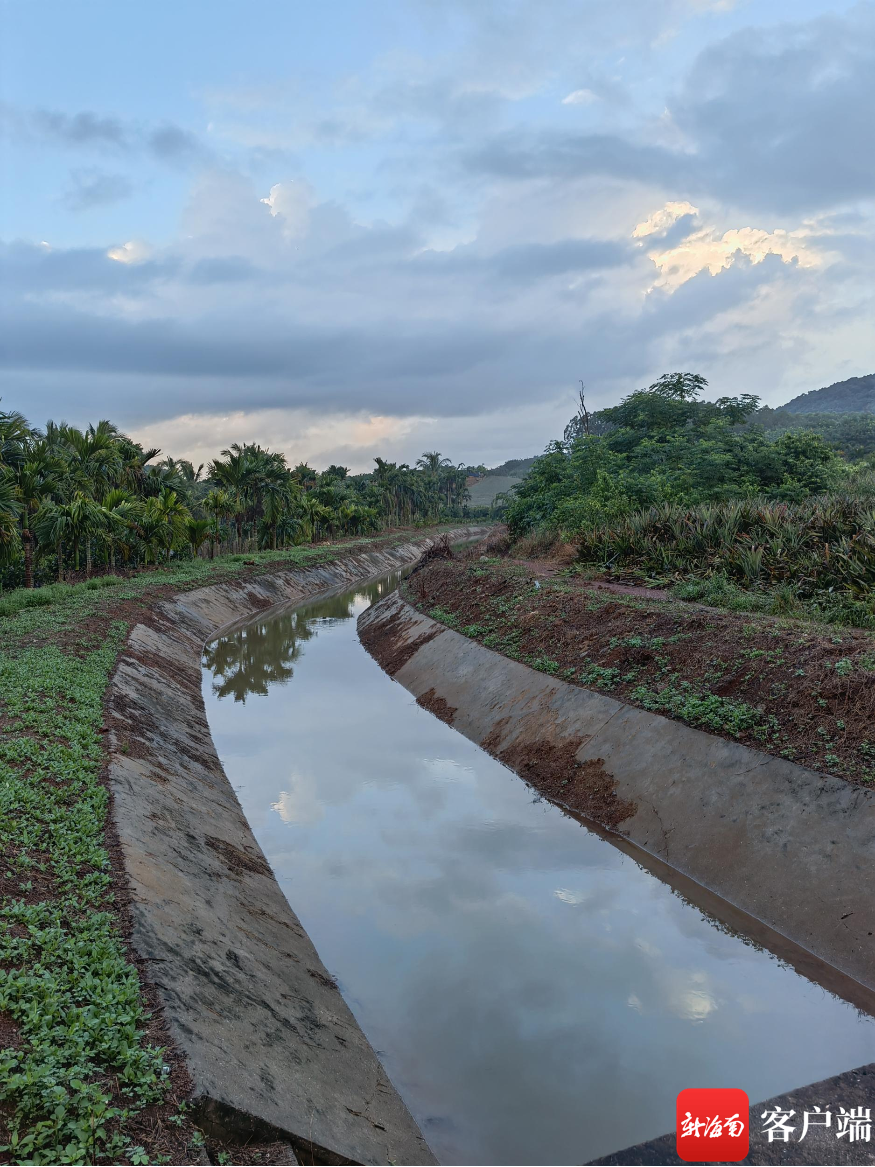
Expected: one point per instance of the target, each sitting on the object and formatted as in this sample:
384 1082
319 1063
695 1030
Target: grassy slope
81 1075
797 689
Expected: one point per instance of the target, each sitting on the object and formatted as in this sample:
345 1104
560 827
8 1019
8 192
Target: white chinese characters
854 1124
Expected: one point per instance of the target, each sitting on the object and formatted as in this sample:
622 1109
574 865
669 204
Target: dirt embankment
797 690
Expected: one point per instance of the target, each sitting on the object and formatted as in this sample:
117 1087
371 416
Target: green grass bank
86 1074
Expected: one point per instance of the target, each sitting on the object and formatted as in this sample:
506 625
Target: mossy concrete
271 1046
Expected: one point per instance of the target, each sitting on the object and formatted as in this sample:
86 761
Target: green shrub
824 545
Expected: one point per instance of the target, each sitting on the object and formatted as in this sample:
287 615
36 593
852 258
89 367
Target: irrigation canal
535 994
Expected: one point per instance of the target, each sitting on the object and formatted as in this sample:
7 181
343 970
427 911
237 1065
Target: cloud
580 97
660 221
560 155
89 188
230 269
775 119
39 274
450 257
291 203
782 115
135 251
86 130
709 250
52 126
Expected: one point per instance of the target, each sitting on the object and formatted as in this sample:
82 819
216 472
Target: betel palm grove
92 501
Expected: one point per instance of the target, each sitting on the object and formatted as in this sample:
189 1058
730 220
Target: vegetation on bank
94 501
796 689
84 1075
667 489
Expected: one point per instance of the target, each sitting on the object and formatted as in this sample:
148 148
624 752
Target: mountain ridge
855 395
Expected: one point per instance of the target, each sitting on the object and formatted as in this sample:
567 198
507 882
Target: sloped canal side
534 993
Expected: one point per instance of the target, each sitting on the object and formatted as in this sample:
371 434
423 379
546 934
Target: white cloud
135 251
291 202
300 806
708 249
580 97
664 218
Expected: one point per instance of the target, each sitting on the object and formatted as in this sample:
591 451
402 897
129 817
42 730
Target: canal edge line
272 1049
789 847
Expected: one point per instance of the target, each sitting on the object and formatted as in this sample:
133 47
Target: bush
538 545
818 547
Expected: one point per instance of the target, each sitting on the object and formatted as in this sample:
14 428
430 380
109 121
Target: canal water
536 995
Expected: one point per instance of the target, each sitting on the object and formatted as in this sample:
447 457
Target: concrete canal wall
272 1048
789 847
778 852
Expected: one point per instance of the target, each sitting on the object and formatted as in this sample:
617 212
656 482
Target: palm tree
306 476
135 474
15 436
10 512
234 474
220 506
123 530
278 498
433 461
165 521
35 480
197 531
74 521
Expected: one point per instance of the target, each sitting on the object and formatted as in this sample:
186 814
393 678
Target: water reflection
262 653
535 994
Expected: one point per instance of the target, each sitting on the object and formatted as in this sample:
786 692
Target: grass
794 687
781 600
65 980
82 1066
698 707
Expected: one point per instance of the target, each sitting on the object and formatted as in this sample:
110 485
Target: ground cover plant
800 690
86 1071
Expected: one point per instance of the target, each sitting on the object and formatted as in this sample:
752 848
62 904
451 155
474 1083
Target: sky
350 229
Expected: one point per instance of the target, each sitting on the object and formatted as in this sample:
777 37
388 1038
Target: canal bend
535 994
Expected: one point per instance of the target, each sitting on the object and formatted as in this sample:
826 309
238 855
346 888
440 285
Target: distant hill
499 480
482 493
514 467
856 395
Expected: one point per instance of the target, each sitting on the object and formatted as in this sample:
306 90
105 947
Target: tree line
91 500
662 446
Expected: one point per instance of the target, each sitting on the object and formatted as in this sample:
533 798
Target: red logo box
712 1126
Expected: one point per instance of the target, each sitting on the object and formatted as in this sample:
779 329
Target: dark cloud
302 303
27 269
777 118
172 144
88 188
230 269
444 367
786 114
532 261
546 154
86 130
78 129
